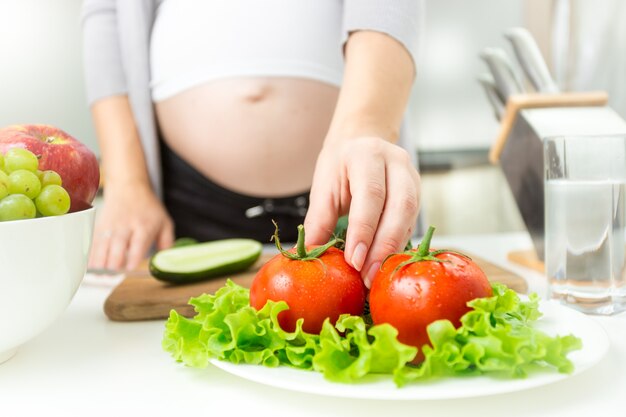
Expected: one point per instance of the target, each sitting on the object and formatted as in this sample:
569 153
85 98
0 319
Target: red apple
60 152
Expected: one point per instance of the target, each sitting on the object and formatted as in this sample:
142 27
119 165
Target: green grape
4 184
49 177
17 207
24 182
1 162
19 158
53 200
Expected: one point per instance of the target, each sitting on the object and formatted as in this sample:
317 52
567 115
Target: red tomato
324 286
432 285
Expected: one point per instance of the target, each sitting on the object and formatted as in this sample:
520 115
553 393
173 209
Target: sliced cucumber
197 262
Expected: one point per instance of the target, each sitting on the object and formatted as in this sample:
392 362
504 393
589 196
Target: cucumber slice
197 262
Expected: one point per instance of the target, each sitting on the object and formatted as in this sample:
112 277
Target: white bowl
42 263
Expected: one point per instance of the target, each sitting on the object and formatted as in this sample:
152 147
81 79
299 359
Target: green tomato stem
301 253
424 247
300 248
423 253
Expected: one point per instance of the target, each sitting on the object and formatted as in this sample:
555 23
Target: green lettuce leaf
360 350
496 335
228 328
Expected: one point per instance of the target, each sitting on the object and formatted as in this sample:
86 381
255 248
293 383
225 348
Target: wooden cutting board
141 297
527 258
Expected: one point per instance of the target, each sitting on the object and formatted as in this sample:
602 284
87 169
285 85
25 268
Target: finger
398 220
137 248
117 250
368 190
321 217
99 249
165 239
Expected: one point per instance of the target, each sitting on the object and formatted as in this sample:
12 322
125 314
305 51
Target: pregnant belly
256 136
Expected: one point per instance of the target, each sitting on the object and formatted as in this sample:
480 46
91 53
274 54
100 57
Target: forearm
122 156
132 218
377 81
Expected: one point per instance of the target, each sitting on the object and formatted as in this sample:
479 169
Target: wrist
121 183
124 172
357 127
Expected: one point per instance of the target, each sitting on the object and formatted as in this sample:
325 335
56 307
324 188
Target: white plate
557 319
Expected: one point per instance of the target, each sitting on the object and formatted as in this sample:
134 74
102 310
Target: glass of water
585 221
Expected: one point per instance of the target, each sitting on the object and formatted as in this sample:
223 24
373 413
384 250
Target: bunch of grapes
25 191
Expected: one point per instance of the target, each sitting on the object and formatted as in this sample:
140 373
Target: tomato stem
300 248
301 253
423 253
424 247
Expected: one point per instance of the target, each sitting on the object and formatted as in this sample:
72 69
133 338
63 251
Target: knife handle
507 81
531 60
489 85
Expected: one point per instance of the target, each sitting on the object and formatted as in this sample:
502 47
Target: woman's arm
132 217
360 169
378 76
123 163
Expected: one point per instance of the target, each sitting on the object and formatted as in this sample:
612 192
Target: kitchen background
41 81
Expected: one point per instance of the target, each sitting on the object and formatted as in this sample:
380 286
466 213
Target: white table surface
86 365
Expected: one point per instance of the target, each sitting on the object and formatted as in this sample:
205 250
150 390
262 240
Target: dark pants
206 211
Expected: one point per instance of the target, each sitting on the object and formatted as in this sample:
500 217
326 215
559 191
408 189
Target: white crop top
196 41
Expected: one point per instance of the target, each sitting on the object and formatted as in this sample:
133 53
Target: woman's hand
377 183
132 220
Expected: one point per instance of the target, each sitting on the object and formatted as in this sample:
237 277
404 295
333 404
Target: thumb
165 239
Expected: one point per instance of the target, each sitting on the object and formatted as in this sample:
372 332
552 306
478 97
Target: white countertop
86 365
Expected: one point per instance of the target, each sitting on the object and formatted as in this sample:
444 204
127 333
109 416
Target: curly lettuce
496 335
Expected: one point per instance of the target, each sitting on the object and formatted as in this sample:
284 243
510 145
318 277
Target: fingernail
371 273
358 256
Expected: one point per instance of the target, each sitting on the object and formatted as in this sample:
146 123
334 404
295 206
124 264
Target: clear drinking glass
585 221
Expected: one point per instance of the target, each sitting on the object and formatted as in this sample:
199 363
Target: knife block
519 102
518 149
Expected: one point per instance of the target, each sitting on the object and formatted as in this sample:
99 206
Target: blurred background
451 122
